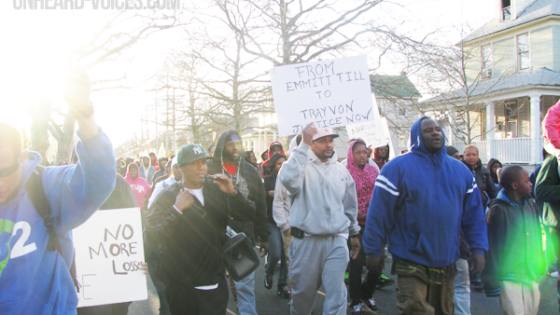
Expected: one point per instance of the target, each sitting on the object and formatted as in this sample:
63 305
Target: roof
537 10
539 77
393 86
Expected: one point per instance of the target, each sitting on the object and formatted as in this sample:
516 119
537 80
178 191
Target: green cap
190 153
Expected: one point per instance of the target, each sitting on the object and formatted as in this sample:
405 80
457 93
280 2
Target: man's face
431 135
163 162
471 156
10 183
177 172
133 172
524 185
276 149
232 149
146 161
194 172
323 148
383 152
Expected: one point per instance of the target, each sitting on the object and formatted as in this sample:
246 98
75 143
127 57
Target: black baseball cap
190 153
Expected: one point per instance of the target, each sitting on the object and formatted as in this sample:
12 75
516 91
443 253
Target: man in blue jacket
420 203
35 279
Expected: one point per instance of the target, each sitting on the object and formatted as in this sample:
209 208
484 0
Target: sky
36 45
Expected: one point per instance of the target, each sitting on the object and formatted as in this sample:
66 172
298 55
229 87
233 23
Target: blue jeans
275 253
246 295
462 295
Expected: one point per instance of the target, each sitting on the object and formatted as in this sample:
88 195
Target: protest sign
374 133
330 93
109 254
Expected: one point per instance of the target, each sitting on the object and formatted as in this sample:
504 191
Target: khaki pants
520 299
416 297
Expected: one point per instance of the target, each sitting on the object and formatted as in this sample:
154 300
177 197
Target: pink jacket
551 125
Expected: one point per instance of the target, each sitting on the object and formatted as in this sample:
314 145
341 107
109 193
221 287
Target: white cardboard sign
109 253
374 133
330 93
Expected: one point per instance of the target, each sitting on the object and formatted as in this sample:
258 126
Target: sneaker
477 286
283 291
370 304
356 309
384 281
268 281
554 274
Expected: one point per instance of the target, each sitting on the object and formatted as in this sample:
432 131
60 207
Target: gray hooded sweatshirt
324 194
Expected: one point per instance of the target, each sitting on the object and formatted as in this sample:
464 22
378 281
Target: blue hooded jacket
420 203
33 279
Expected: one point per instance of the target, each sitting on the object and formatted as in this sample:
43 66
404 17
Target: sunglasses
7 171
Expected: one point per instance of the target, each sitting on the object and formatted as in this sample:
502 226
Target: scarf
365 181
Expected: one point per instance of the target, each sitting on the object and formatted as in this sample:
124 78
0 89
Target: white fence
510 150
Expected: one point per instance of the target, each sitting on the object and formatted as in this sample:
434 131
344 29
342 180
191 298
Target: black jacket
547 190
256 194
191 245
515 245
484 182
122 196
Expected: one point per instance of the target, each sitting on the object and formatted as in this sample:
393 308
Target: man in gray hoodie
322 217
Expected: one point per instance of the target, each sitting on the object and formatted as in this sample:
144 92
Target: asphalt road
268 303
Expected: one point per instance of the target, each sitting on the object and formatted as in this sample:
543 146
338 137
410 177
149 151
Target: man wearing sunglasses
34 265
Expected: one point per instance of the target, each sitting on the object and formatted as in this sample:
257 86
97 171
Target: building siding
542 48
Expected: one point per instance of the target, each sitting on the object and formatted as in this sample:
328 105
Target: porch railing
512 150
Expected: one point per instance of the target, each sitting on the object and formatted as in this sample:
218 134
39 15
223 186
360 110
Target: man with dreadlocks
229 160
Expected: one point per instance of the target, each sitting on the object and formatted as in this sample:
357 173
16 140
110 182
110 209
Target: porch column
258 153
490 128
536 155
452 124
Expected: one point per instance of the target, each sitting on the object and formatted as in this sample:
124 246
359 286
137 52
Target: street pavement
268 303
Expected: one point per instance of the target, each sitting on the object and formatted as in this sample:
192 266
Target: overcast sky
35 44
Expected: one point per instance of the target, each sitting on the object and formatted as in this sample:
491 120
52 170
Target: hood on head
376 154
350 154
451 150
417 145
221 143
274 143
491 163
142 159
128 171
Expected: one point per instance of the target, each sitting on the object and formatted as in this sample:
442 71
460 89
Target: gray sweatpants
316 260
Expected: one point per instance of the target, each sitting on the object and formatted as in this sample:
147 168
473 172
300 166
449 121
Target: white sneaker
554 274
356 309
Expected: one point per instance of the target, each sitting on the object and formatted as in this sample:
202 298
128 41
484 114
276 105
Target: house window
506 10
486 58
402 111
523 54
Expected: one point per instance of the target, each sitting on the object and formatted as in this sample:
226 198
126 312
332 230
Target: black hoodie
488 190
254 189
493 174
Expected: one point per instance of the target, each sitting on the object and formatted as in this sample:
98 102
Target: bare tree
108 43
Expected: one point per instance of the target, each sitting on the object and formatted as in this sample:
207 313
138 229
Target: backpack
39 200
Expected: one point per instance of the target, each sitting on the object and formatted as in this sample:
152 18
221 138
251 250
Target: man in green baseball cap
189 220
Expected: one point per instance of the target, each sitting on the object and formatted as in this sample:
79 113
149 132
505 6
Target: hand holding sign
184 200
308 134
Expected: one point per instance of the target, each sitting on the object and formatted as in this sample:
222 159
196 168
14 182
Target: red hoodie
139 186
273 143
365 181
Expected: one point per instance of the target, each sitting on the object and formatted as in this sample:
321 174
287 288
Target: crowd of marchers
449 223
